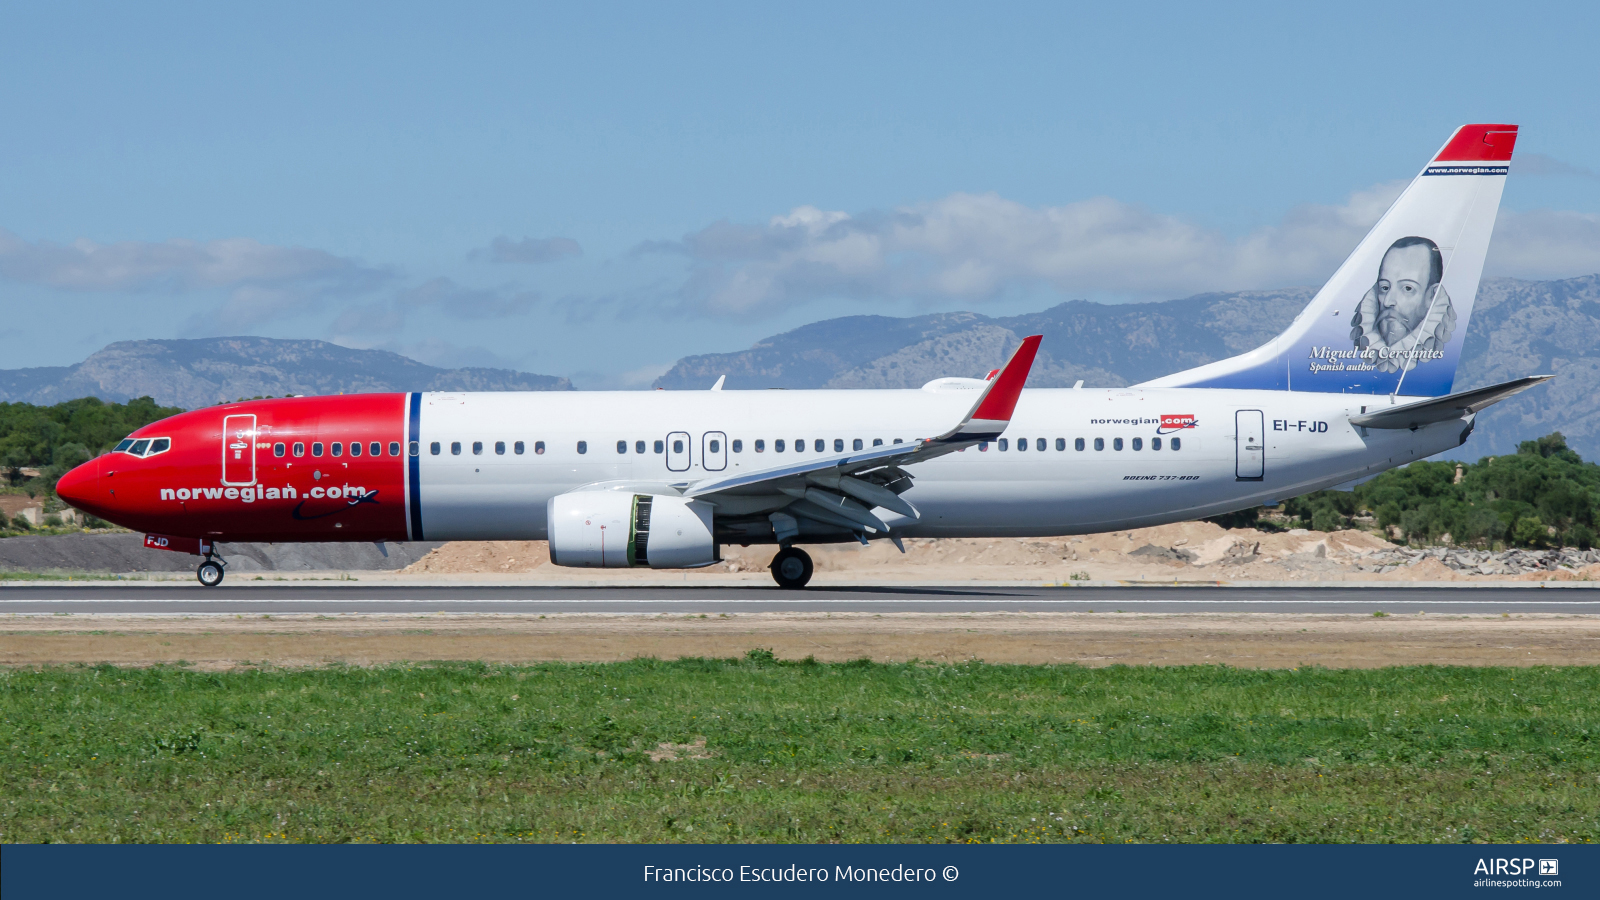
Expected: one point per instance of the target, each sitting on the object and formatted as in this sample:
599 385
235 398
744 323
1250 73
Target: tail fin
1393 318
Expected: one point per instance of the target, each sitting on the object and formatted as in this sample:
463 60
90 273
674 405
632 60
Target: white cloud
178 265
976 247
530 250
388 316
1544 243
1539 164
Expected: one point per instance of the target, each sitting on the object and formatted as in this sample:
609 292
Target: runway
284 599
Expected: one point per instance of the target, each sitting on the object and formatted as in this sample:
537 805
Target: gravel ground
125 552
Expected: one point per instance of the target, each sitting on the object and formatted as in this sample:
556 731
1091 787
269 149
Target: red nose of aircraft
81 488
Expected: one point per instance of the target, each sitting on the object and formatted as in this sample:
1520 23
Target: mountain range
195 373
1517 328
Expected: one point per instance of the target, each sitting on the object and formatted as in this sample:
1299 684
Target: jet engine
618 529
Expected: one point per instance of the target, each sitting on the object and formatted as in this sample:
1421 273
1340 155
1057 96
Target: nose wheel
210 572
791 568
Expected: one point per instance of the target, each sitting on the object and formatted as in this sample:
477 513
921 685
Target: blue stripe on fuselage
414 466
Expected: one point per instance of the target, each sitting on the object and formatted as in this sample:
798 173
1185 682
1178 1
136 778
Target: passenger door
714 451
239 450
678 451
1250 443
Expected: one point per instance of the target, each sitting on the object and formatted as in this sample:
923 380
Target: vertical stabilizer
1393 318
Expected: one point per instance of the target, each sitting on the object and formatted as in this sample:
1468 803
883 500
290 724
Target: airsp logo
1549 867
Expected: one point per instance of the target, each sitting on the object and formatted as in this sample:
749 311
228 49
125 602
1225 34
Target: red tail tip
1479 143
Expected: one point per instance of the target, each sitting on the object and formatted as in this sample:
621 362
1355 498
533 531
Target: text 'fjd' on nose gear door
1250 444
678 451
239 450
714 451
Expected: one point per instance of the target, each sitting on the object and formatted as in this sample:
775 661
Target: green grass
57 576
802 752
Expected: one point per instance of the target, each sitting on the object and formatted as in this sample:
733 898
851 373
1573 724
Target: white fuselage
1305 443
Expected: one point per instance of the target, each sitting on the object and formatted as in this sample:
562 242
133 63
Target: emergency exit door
678 451
239 450
1250 445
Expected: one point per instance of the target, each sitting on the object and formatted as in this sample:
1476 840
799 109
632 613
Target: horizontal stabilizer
1443 409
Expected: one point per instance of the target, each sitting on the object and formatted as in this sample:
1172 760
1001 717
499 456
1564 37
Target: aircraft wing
841 489
1443 409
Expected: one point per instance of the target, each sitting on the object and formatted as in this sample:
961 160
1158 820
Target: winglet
992 413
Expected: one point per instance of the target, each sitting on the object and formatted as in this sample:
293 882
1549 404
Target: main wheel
209 573
791 568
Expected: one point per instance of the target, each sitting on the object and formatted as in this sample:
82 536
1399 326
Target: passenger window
139 447
677 446
355 448
661 446
777 446
1077 443
538 448
499 448
1022 444
455 448
877 442
583 446
716 446
1039 444
856 444
1138 443
1099 443
638 446
738 445
897 440
1155 443
838 445
1116 443
1061 444
434 448
622 446
394 448
124 445
299 448
278 449
337 448
1177 443
761 445
376 449
800 445
477 448
159 445
822 445
983 446
518 448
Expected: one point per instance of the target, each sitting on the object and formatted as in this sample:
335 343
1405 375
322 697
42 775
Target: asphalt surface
280 599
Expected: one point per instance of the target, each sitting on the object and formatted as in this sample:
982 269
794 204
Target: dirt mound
481 557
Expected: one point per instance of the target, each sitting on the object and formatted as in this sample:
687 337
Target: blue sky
596 190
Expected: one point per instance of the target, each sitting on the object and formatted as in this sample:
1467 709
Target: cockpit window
139 447
159 445
126 443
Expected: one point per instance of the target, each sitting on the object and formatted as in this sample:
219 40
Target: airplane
1359 383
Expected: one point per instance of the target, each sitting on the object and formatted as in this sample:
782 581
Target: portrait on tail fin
1406 317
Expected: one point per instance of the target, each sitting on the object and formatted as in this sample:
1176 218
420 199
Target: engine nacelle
618 529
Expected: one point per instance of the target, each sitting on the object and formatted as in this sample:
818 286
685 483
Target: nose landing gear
211 571
791 568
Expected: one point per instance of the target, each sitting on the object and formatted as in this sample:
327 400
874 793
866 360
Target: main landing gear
791 568
211 571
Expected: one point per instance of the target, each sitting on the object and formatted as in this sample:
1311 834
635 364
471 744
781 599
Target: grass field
800 752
